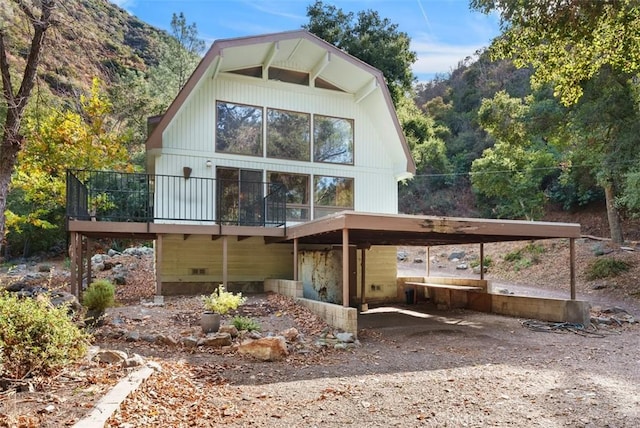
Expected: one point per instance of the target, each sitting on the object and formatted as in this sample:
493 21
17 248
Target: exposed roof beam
366 90
295 49
320 65
266 63
217 66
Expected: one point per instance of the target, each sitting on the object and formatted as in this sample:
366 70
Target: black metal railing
131 197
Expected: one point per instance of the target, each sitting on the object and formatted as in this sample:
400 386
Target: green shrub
488 262
36 338
222 301
605 268
513 256
99 296
246 323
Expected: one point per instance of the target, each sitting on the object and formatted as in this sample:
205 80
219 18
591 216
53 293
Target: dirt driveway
415 366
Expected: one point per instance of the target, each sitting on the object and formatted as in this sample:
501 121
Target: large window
297 186
288 135
332 194
238 129
333 140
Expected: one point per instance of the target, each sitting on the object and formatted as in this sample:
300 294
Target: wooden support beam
242 238
158 265
225 261
481 260
345 267
295 259
363 269
88 255
215 237
572 267
73 257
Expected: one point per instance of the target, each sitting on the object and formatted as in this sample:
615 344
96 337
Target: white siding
189 139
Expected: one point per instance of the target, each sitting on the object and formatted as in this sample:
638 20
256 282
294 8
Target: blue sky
443 32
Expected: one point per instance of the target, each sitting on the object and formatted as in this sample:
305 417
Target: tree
571 45
511 173
370 38
40 16
60 140
567 42
177 62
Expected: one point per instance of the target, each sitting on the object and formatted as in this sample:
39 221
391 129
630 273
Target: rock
456 255
151 338
345 337
418 260
97 266
138 251
60 298
189 342
112 252
290 334
216 340
133 336
462 266
230 329
110 356
265 349
167 340
402 256
135 361
120 278
598 286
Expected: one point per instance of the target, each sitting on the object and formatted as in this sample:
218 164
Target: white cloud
440 58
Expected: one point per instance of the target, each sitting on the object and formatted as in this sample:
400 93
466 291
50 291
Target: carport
363 230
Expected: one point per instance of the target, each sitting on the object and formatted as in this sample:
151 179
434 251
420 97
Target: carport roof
365 229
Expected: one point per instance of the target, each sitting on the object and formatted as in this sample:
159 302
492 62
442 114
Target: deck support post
158 265
345 267
76 260
363 282
225 261
87 254
295 259
572 267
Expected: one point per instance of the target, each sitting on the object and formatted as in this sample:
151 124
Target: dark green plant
605 268
36 338
99 296
246 323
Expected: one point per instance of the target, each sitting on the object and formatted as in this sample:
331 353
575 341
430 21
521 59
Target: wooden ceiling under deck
387 229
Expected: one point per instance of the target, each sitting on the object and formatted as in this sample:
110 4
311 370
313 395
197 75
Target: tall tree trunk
615 228
17 102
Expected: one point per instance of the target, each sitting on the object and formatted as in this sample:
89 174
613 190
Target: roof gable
309 60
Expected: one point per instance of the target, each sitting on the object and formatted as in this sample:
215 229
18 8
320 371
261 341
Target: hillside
91 38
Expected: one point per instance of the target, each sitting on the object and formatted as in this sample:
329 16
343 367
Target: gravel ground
414 366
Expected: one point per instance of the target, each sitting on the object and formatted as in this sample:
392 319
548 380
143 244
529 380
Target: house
279 160
269 131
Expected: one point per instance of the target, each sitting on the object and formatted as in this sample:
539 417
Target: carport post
572 267
345 267
481 260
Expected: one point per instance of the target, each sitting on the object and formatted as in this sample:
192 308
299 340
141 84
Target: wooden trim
481 260
158 264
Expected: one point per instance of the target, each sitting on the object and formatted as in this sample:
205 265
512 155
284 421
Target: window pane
297 186
333 192
239 129
288 135
333 140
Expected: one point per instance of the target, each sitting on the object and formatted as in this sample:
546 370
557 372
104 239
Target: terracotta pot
210 322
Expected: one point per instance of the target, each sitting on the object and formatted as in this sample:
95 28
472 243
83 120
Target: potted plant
218 303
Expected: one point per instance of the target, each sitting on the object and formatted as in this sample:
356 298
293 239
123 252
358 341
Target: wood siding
189 141
248 260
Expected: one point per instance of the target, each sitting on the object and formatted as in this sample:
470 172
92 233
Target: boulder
457 255
216 340
230 329
265 349
110 356
290 334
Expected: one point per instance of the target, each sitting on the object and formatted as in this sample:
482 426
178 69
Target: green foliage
36 338
99 296
606 268
363 38
525 257
567 43
222 301
246 323
487 262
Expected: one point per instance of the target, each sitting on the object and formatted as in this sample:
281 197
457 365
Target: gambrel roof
297 53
